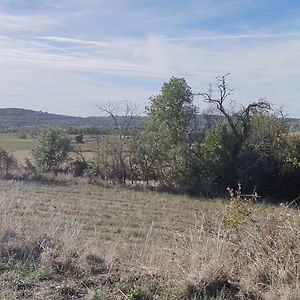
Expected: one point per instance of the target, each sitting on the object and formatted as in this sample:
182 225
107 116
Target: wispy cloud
69 56
18 23
64 39
205 37
258 35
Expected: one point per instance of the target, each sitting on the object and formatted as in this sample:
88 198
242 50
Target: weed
66 290
86 282
188 249
19 284
139 294
45 273
94 294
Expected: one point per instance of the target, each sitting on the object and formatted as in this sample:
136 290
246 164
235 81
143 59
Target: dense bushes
252 146
264 161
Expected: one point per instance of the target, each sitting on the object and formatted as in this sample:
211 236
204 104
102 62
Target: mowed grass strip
105 214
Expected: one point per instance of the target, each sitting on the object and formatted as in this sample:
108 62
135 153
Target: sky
72 56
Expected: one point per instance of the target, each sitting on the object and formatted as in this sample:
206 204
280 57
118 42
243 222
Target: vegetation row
251 145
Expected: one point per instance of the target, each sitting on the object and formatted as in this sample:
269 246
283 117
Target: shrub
266 159
53 148
79 138
6 162
78 167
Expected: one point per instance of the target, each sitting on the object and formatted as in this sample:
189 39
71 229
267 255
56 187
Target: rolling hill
19 118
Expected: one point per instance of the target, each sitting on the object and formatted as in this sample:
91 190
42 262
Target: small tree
52 149
162 148
6 161
111 160
79 138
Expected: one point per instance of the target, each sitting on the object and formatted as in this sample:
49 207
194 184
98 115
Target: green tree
162 146
216 158
53 148
252 146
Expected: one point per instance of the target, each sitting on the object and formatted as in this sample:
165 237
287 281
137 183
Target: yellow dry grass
178 239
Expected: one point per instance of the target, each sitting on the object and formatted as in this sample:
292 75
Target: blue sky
70 56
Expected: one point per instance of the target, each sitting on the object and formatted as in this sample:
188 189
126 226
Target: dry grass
82 240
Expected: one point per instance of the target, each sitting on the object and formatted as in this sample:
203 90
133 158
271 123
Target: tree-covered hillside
17 118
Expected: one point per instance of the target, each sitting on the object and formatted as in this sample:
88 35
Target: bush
78 167
53 148
267 159
108 163
6 162
79 138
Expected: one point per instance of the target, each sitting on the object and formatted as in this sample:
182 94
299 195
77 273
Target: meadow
73 240
20 144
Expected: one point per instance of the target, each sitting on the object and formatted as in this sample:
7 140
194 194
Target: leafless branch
122 116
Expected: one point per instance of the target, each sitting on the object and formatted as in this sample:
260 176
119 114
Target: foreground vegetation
82 241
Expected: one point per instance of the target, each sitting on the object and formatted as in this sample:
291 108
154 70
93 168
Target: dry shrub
239 255
269 255
250 258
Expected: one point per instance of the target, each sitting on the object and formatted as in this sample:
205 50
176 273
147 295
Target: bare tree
239 122
122 116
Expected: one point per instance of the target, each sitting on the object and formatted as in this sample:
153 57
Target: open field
77 241
21 145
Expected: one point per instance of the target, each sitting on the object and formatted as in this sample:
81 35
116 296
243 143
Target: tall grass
243 250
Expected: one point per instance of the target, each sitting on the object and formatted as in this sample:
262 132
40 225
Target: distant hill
294 123
18 118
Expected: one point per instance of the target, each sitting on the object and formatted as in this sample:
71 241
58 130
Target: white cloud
257 68
21 23
76 41
57 57
257 35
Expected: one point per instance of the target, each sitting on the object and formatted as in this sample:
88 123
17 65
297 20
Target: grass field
21 145
14 142
81 241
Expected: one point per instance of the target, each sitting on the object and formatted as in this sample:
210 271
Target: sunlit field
20 145
82 241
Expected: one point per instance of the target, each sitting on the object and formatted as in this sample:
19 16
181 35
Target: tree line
251 146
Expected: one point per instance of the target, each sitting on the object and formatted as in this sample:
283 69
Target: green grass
21 147
107 213
14 142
